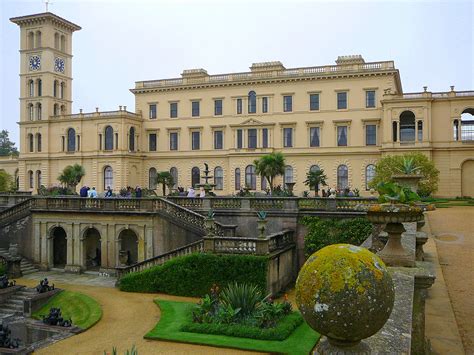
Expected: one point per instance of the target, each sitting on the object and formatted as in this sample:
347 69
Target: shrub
324 232
195 274
241 296
3 270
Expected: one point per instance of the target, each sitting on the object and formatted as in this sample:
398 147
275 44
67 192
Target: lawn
450 202
82 309
174 314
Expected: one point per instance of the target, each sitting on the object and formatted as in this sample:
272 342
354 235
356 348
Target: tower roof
43 17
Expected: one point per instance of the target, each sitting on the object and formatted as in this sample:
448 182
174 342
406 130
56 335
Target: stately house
341 118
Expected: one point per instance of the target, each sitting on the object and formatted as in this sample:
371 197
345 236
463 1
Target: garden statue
6 340
54 318
346 293
44 286
4 283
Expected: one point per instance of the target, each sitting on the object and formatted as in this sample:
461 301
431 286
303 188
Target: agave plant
261 215
393 192
408 167
210 214
245 297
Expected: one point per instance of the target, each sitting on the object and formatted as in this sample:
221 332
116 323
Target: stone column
149 242
418 340
45 252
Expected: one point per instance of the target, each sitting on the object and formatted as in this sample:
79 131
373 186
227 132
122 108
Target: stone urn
13 249
408 180
394 215
209 226
123 257
290 186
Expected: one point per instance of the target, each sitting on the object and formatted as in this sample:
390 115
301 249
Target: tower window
31 143
420 131
31 40
31 88
55 88
252 105
239 106
62 90
56 40
38 39
38 111
265 104
39 84
71 140
31 112
38 142
109 138
131 139
407 126
63 43
237 178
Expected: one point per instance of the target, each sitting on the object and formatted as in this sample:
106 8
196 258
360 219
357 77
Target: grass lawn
82 309
174 314
451 202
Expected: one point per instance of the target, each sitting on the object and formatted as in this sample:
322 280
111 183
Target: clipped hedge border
283 329
193 275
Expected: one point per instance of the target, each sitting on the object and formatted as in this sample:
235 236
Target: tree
6 181
270 166
165 179
314 179
72 175
394 164
7 147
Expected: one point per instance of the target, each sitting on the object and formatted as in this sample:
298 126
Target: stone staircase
26 266
14 305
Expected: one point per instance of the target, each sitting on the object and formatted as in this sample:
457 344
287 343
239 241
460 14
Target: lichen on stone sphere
345 292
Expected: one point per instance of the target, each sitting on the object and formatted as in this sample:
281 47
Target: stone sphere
345 292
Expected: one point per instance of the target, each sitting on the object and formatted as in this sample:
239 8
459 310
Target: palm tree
72 175
165 179
314 179
270 166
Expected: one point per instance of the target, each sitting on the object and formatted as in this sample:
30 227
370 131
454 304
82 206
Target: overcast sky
122 42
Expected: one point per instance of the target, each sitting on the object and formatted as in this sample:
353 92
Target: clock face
59 65
35 62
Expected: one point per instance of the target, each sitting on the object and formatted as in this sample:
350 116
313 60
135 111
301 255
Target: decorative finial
46 3
425 88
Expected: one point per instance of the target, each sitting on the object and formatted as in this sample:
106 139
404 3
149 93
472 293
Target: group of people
191 192
86 191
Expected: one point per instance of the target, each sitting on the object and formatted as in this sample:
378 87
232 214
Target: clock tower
45 89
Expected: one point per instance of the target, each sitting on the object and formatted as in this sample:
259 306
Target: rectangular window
173 140
342 136
100 142
173 109
252 138
153 111
195 108
287 103
218 140
287 137
239 106
196 140
239 139
371 134
370 99
342 100
264 104
152 142
314 102
264 137
217 107
314 137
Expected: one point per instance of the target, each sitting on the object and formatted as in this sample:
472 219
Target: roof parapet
350 59
266 66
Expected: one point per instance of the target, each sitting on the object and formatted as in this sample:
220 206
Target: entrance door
59 247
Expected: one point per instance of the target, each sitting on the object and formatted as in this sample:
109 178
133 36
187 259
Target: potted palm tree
314 179
270 166
409 174
71 176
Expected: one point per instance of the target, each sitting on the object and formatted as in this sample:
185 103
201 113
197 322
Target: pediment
252 122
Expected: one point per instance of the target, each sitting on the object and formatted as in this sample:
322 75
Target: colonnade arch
92 249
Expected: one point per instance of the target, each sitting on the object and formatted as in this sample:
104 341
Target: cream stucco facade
341 117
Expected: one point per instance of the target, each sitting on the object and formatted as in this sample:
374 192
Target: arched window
237 178
288 177
38 111
56 40
314 168
131 139
55 110
55 88
369 175
63 43
38 39
108 177
39 84
31 88
456 130
394 131
30 179
152 174
31 40
31 143
62 90
342 177
195 176
219 178
38 178
31 112
252 98
109 138
250 177
174 174
407 126
38 142
467 125
71 140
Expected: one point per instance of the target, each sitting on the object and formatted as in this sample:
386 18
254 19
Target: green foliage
132 351
394 164
261 215
194 275
72 175
408 166
393 192
165 179
324 232
6 181
7 147
244 297
3 270
210 214
270 166
314 179
55 191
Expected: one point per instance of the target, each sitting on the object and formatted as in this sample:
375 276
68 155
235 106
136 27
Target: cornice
41 18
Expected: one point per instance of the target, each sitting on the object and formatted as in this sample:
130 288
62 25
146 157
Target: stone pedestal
73 269
394 254
14 267
331 346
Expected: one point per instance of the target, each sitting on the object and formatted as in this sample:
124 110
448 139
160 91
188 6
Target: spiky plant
245 297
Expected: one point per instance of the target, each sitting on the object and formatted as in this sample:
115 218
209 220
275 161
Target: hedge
193 275
283 329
